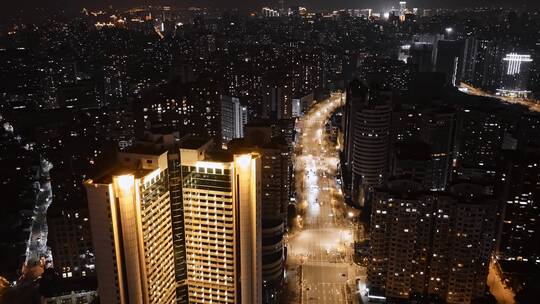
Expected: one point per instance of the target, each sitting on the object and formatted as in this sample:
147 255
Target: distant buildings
234 117
162 74
520 240
515 75
489 64
268 12
421 55
115 87
438 131
277 102
479 138
71 241
300 104
80 95
449 60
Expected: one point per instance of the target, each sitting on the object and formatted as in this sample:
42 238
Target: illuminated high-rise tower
130 217
233 118
515 75
367 137
164 138
222 218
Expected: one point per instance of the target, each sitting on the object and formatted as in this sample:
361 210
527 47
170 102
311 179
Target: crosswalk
325 293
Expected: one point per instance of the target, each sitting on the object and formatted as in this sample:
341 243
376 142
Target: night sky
11 7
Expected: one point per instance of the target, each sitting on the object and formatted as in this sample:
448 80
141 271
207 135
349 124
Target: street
503 294
532 105
320 254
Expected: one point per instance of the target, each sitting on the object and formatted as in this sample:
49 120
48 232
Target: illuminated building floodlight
125 182
514 62
244 160
406 47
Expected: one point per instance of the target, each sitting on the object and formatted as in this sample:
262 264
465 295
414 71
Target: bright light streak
514 62
126 182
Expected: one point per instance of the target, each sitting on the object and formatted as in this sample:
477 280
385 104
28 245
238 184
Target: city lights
279 153
514 62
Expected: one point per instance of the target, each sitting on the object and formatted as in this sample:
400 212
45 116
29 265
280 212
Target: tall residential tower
431 245
367 136
130 216
222 218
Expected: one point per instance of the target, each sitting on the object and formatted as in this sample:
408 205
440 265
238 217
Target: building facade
233 118
164 139
368 118
430 245
71 241
130 217
515 75
222 219
520 239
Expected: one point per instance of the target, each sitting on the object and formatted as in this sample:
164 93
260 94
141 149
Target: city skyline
11 9
272 154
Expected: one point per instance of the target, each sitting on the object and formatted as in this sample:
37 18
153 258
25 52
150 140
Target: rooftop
143 148
194 142
106 176
223 156
243 145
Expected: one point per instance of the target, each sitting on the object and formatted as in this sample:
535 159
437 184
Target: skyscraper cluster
148 154
437 168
